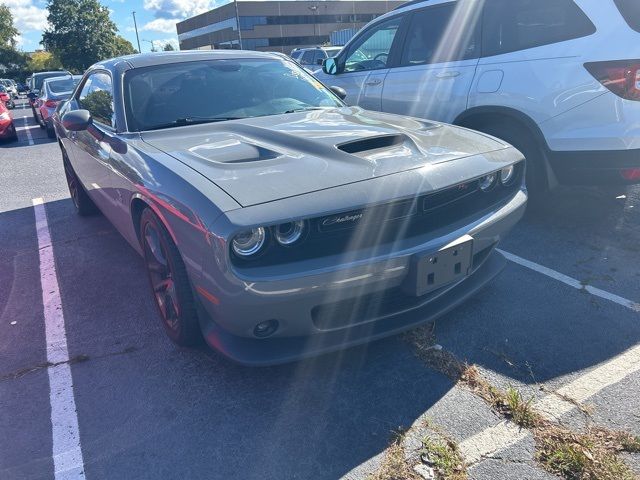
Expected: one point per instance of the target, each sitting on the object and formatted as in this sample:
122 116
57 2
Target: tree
122 46
41 61
8 31
81 33
168 47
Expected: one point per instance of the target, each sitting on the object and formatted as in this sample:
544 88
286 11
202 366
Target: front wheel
169 282
81 200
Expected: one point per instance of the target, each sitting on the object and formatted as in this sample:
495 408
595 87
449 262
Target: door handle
375 81
449 74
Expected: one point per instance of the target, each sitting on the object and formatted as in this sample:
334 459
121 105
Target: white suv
559 79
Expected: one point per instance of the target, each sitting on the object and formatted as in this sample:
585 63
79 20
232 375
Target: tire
41 123
14 136
51 132
522 139
169 282
81 200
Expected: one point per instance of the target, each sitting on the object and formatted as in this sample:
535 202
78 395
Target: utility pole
314 9
235 2
135 24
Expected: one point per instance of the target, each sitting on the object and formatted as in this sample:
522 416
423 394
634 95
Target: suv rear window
630 10
513 25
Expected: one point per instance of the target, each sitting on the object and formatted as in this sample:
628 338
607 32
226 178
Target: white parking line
28 132
501 436
67 453
572 282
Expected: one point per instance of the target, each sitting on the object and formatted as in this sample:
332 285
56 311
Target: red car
7 128
5 98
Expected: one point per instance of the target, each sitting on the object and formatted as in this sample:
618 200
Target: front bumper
228 319
595 167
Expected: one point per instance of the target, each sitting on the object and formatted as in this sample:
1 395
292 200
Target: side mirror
31 95
330 66
77 120
339 91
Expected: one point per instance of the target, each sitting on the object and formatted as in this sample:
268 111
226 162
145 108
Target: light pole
238 24
135 24
314 9
153 45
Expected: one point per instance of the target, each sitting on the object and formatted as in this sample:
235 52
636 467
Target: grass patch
395 466
443 456
588 456
520 410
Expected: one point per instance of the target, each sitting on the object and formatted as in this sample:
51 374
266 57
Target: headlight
488 182
249 243
507 174
289 233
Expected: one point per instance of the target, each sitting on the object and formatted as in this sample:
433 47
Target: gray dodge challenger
274 221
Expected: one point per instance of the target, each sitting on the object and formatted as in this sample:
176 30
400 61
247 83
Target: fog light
249 243
507 174
265 329
289 233
488 182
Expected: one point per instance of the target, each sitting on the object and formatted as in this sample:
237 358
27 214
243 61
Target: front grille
379 225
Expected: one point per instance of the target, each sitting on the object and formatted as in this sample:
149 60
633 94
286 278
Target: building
277 26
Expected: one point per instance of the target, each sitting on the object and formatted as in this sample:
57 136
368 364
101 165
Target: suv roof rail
408 4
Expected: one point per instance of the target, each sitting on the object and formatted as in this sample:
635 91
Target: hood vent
372 143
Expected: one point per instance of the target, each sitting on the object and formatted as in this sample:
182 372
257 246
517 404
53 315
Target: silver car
275 221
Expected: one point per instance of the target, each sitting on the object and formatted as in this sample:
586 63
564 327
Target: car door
438 62
90 156
364 64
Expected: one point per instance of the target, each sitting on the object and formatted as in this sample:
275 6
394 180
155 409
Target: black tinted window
442 34
372 49
307 57
511 25
97 97
630 10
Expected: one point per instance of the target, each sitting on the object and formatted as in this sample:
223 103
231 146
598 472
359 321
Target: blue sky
156 19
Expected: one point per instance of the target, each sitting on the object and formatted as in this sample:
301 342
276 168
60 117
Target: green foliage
122 46
8 32
42 61
81 33
168 48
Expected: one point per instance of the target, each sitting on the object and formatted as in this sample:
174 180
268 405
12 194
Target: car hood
264 159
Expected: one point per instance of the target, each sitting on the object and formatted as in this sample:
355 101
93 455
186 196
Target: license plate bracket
430 271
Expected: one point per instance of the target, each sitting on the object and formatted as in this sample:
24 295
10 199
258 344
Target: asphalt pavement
147 409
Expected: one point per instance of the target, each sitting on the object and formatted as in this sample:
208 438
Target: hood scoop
233 151
386 145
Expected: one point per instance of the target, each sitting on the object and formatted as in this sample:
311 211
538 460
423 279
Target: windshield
62 86
39 79
156 97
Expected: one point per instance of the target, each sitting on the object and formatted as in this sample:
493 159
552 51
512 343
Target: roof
162 58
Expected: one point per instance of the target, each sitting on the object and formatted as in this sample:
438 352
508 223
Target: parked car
5 98
54 90
555 78
11 87
7 128
274 220
35 85
311 58
22 88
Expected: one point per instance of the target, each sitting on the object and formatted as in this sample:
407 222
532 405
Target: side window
630 10
512 25
97 97
319 57
307 57
443 33
371 51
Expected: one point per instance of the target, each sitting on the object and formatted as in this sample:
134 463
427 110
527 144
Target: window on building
512 25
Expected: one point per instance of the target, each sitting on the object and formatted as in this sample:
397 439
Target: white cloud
162 25
159 44
177 8
26 15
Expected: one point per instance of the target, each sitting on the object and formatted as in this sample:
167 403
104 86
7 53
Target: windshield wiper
181 122
305 109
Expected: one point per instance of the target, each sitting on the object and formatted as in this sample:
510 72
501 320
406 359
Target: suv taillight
621 77
51 104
